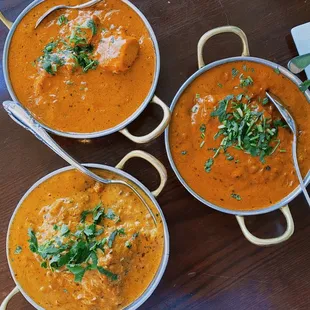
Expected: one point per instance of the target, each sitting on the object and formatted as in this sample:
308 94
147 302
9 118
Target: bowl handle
215 31
6 300
7 23
153 161
265 242
157 131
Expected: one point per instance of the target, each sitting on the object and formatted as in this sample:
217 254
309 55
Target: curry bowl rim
96 134
180 91
166 248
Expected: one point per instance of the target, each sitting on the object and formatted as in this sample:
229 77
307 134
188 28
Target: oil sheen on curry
229 142
76 244
84 70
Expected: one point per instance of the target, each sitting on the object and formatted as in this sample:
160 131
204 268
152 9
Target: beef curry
84 70
76 244
230 144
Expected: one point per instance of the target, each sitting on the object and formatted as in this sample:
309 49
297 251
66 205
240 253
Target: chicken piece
42 83
83 29
117 53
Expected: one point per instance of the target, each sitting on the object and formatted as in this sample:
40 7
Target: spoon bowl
292 125
62 6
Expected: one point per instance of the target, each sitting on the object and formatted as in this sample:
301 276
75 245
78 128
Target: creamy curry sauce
82 70
254 170
75 244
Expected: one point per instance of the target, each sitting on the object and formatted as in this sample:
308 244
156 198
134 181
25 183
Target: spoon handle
22 117
86 5
299 176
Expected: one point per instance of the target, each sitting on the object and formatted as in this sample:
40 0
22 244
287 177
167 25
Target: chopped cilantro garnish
244 82
304 85
229 156
203 131
276 70
18 250
91 24
62 20
236 196
128 244
234 72
55 54
107 273
113 235
33 242
64 230
246 129
209 164
265 101
78 251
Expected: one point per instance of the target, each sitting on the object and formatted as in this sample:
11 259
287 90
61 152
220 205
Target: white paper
301 36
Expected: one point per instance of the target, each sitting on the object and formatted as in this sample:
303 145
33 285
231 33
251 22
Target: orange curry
84 70
229 142
76 244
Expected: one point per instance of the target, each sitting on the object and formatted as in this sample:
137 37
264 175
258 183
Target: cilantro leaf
220 111
304 85
111 215
209 164
78 272
113 235
92 26
64 230
107 273
97 214
62 20
236 196
84 215
111 238
33 242
90 230
18 250
234 72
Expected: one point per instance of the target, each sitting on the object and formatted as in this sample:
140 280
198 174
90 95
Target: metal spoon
23 118
299 63
62 6
292 125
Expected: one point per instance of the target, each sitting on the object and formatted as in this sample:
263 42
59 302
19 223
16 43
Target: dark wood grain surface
211 264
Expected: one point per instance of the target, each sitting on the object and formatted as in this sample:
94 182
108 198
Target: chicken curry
230 144
77 244
82 71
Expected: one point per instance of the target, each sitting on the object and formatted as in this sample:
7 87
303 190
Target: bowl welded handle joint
271 241
5 21
6 300
153 161
157 131
219 30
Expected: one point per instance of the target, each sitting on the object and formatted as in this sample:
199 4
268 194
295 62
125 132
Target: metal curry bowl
151 97
151 195
282 205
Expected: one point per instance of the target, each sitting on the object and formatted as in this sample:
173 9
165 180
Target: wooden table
211 264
